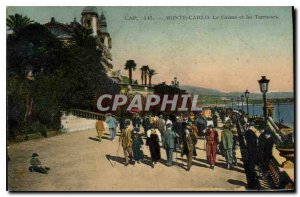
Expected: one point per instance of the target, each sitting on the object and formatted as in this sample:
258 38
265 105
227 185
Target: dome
89 10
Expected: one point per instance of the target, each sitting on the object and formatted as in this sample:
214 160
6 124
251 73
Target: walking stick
113 165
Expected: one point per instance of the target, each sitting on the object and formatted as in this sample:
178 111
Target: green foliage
163 88
35 127
33 47
64 78
130 66
125 79
151 72
17 22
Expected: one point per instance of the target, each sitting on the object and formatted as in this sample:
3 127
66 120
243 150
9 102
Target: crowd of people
180 133
176 132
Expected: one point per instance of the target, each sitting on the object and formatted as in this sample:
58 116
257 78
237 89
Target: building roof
103 24
60 30
89 10
102 17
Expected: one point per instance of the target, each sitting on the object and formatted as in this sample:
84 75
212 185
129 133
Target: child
36 165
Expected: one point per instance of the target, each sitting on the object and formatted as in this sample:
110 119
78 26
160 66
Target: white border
295 3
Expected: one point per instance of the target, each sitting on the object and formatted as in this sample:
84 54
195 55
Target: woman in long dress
137 143
153 140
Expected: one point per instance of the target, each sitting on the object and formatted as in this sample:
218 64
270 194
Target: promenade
79 162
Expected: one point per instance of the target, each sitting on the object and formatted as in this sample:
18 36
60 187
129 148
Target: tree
151 73
64 78
144 74
163 88
30 49
130 66
17 22
84 38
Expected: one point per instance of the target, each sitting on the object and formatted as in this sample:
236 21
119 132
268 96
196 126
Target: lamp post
242 100
247 97
263 84
232 103
238 101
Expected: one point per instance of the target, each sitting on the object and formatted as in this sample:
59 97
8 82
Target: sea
282 111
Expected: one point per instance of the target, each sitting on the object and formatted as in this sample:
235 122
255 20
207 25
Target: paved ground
80 163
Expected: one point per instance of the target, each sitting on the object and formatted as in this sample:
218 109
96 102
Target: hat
154 122
127 122
228 122
210 126
34 155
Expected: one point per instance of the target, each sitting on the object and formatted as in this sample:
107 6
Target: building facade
90 19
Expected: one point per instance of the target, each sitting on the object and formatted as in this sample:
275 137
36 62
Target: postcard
150 99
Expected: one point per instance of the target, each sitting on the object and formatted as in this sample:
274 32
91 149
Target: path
80 163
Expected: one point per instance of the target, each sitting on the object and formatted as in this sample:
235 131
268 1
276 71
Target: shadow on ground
97 139
114 159
237 182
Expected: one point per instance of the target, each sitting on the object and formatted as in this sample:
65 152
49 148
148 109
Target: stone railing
88 114
279 176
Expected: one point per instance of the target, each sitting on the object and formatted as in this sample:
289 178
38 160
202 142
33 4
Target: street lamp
242 100
232 103
247 97
263 84
238 101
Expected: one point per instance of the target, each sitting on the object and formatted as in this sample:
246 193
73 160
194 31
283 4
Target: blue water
286 112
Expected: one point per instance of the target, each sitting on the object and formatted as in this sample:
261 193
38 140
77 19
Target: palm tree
130 65
150 73
144 74
146 68
17 22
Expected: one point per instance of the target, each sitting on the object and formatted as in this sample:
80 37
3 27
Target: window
88 23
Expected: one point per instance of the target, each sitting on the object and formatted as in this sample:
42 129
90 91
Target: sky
224 54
